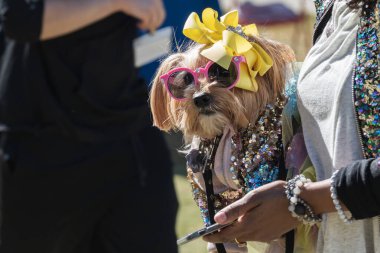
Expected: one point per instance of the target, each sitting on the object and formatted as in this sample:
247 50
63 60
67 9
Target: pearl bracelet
297 206
336 201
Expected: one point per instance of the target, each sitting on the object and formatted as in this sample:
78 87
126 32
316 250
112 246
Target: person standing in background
81 169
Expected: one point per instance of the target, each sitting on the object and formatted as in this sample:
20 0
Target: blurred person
81 171
338 97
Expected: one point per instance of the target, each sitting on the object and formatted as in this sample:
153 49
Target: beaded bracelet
298 207
336 201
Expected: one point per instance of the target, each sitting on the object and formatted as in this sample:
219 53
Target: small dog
228 127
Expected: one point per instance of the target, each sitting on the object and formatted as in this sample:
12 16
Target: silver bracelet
297 206
336 201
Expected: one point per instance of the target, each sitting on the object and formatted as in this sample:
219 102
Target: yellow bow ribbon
225 39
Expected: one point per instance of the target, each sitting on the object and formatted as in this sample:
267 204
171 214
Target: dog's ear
160 101
159 104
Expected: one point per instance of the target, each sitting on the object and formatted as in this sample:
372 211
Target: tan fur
237 107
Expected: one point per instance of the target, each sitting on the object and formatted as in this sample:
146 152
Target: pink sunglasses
178 80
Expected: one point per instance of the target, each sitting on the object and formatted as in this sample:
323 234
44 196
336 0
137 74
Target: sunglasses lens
178 82
224 77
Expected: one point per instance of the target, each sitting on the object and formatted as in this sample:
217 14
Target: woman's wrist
318 196
298 207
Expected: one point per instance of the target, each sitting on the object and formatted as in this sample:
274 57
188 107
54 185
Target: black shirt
358 187
83 85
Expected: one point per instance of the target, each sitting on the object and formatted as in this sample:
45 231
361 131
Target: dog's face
207 105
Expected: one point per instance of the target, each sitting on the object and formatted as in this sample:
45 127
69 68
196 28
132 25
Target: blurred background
287 21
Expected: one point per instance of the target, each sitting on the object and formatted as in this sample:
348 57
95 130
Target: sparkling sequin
255 156
366 78
366 86
320 7
261 148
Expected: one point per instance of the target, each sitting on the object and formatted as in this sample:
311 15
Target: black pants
62 196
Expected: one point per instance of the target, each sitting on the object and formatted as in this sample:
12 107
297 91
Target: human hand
151 13
262 215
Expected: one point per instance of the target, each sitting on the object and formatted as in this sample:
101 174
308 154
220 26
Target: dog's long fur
236 107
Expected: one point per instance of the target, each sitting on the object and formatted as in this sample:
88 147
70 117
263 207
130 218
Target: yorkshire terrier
225 94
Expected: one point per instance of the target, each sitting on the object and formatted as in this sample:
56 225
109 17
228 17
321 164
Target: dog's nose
202 100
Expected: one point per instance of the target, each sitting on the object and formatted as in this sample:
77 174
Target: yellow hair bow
227 38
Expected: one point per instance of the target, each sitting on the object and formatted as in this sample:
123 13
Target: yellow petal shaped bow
225 39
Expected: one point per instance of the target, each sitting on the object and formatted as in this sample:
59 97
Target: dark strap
320 26
282 168
3 137
289 237
207 176
289 242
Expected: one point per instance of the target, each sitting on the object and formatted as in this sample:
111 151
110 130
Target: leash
207 176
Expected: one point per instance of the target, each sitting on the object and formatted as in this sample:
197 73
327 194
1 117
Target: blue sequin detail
366 85
256 164
320 7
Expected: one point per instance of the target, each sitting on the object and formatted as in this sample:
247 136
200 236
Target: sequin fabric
220 200
255 157
257 150
366 87
366 77
320 7
291 91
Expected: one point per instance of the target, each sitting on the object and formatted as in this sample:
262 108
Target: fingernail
220 217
